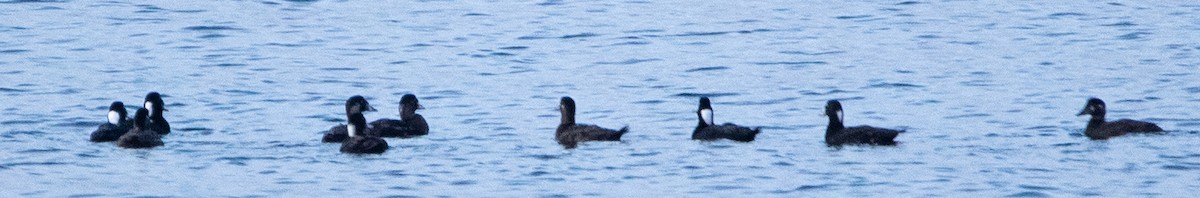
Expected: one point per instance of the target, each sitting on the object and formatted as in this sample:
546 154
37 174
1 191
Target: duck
141 135
570 134
1098 129
707 131
409 125
357 140
154 103
117 124
355 105
836 134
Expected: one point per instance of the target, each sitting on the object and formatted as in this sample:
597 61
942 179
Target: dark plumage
116 126
140 136
409 125
358 142
570 134
837 134
336 134
355 105
154 103
1098 129
707 131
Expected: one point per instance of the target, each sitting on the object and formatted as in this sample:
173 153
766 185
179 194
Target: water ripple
210 28
991 88
698 95
715 68
627 61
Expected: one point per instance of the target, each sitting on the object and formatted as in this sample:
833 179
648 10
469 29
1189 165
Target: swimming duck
141 135
707 131
837 134
409 125
154 103
116 126
355 105
569 134
1098 129
357 141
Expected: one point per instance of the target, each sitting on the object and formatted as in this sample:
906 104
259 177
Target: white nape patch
350 130
707 115
114 118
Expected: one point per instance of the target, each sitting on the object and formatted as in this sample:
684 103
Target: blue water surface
987 91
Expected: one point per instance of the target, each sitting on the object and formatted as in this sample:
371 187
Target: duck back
336 134
138 138
400 128
864 135
570 135
108 132
364 145
1105 130
726 131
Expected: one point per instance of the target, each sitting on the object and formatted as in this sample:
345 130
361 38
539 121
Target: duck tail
890 138
622 132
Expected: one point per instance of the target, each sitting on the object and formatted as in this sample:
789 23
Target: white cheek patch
150 107
707 116
114 117
350 130
841 116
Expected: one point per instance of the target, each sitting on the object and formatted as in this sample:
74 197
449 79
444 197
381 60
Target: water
987 91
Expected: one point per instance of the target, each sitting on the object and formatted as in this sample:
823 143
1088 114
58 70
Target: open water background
987 91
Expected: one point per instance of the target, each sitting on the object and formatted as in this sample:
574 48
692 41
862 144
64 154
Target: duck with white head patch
141 136
154 103
1098 129
570 134
357 140
706 130
409 125
355 105
836 134
116 126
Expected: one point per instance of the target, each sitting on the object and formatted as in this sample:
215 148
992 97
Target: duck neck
140 122
407 113
568 117
156 114
835 126
357 124
1096 121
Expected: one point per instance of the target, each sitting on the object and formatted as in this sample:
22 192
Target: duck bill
1084 112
